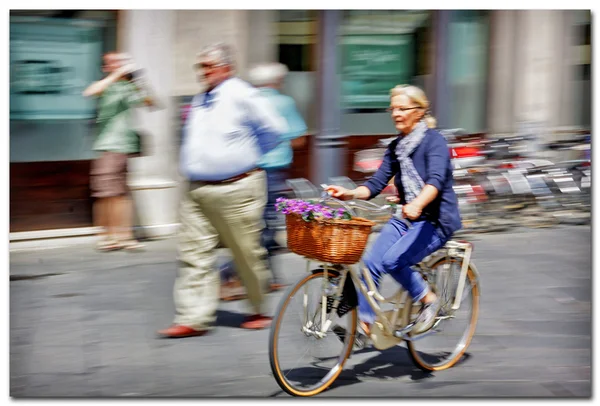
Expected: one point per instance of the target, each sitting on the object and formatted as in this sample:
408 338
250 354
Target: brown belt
233 179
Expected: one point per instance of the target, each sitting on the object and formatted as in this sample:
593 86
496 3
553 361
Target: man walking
230 127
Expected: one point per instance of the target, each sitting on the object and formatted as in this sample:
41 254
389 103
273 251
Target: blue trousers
275 188
394 252
273 219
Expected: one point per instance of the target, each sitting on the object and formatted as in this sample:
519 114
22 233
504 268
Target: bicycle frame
453 249
389 322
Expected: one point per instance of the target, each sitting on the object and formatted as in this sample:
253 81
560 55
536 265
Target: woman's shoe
131 245
426 317
108 245
360 340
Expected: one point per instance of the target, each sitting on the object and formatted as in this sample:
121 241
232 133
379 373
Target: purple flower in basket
310 210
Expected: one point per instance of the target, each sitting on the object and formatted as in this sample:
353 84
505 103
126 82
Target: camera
134 75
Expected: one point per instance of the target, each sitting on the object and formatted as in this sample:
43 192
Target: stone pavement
83 324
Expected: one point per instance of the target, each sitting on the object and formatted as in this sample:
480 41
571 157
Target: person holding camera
119 93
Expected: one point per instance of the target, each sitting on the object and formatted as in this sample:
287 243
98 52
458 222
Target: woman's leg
418 242
421 240
390 234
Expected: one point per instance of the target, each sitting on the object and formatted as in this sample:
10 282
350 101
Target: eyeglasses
200 66
401 109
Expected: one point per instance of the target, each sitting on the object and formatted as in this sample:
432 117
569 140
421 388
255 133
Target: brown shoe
177 331
276 286
256 322
233 290
365 327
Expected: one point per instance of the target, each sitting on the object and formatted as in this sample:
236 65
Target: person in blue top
420 161
269 78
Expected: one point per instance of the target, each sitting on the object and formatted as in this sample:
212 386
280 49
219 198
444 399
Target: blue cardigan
432 161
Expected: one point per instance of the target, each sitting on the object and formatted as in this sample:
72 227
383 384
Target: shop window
54 56
296 33
467 69
379 50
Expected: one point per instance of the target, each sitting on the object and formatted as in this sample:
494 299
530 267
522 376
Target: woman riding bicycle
420 160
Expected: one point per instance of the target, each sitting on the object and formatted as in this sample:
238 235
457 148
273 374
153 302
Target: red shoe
256 322
177 331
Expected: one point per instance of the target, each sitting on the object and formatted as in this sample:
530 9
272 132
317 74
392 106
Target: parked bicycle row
500 184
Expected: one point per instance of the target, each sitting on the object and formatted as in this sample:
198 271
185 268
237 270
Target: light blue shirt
228 131
282 155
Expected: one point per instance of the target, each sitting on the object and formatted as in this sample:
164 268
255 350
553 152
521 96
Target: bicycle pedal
360 340
404 330
416 337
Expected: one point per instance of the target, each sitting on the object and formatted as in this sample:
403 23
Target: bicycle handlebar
372 207
366 206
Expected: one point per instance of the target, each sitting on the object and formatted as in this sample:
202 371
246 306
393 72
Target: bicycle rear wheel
303 362
446 347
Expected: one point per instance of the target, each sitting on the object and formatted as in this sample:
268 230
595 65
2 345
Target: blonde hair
417 96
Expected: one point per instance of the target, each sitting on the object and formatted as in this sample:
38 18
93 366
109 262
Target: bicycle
450 273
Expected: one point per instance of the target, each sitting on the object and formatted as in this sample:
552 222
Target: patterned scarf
411 181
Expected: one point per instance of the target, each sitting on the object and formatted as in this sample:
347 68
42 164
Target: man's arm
298 143
97 88
297 126
140 94
295 122
144 88
266 123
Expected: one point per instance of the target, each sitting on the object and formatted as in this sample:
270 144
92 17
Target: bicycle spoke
456 326
314 363
302 356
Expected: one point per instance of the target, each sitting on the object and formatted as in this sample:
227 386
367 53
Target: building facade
485 71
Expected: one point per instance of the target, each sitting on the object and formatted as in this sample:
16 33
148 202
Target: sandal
131 245
108 245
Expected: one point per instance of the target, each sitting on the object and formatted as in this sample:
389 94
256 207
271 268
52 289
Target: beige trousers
233 214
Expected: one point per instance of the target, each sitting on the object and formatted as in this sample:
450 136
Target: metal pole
441 109
328 151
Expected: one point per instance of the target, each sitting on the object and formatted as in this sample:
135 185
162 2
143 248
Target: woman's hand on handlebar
411 211
340 192
392 199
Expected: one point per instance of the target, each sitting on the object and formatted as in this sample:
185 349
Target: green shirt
115 131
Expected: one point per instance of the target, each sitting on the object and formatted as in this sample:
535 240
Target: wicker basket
332 241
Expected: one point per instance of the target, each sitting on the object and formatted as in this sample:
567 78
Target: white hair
418 96
220 53
267 74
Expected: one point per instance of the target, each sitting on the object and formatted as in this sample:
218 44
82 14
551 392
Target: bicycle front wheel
305 360
444 348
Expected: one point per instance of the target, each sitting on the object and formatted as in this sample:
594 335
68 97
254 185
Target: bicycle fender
435 258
